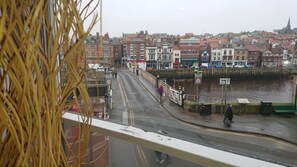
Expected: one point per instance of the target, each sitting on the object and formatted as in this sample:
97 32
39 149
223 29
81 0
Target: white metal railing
196 153
176 96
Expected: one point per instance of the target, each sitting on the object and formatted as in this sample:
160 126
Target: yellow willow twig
37 40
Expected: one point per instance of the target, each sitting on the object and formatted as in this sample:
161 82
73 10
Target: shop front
188 62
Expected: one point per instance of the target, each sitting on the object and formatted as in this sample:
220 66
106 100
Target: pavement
281 127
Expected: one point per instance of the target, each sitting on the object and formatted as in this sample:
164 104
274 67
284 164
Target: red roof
214 45
252 48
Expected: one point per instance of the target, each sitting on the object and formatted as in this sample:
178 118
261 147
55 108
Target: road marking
128 116
125 118
131 117
142 155
125 113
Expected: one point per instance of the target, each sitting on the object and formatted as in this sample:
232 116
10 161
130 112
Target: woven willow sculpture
38 39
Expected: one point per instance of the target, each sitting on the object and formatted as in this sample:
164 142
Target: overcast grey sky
196 16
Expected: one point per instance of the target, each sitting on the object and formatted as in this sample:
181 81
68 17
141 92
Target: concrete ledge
252 108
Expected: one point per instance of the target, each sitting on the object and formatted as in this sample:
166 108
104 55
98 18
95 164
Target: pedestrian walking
161 157
115 74
161 91
228 115
157 81
137 70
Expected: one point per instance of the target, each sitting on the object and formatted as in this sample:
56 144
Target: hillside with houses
164 51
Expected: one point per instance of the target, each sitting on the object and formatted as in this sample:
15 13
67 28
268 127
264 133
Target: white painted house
151 57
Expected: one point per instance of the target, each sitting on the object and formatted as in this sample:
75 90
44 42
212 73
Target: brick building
189 51
93 51
253 55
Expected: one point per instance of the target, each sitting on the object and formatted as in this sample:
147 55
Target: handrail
196 153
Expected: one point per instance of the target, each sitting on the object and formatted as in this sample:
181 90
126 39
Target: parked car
195 67
238 66
202 67
218 66
248 66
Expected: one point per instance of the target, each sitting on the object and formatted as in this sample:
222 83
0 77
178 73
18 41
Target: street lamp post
224 82
225 95
158 63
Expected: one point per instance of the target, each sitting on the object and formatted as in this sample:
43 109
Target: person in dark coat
228 115
159 154
115 74
161 91
137 70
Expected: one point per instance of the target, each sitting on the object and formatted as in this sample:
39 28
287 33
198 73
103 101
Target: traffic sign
108 81
198 78
224 81
198 81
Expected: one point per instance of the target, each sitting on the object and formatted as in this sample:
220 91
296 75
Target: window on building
237 57
230 52
238 52
225 52
219 58
214 58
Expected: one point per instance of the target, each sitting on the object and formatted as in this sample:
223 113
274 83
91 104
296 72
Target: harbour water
278 90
